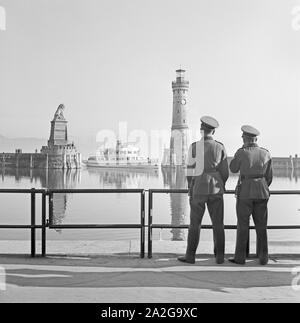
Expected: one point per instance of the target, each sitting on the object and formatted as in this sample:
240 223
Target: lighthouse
177 154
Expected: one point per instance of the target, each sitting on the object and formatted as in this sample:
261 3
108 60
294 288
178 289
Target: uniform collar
250 145
208 138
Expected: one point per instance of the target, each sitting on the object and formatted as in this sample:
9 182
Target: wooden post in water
64 161
291 164
31 161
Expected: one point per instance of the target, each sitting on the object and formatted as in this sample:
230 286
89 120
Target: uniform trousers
215 205
258 208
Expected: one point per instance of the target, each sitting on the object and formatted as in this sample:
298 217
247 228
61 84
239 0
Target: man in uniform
255 166
207 173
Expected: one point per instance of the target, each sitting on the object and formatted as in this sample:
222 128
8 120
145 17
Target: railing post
142 254
44 224
33 237
248 245
150 209
50 208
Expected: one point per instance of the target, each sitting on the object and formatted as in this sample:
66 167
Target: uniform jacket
256 174
207 167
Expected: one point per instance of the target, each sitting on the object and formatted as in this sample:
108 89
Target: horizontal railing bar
287 192
21 190
82 191
168 190
95 226
275 192
226 227
21 226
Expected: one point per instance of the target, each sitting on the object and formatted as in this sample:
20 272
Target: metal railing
33 192
152 225
49 223
140 225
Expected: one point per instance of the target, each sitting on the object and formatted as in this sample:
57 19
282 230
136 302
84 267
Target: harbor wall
282 163
39 160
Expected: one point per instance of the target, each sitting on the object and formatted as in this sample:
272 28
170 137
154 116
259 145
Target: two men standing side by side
207 173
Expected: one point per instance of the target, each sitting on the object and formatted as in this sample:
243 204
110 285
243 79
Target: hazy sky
114 60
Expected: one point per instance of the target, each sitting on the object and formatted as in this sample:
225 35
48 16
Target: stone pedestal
60 153
59 131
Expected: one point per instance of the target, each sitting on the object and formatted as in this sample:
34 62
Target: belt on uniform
210 171
255 176
206 172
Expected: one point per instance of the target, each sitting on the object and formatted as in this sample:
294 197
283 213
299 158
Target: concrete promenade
112 272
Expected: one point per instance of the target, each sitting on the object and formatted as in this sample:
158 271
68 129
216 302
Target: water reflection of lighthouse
174 178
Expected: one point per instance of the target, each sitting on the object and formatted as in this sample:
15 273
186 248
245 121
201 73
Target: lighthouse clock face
183 101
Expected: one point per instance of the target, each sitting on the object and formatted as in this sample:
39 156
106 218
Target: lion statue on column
59 114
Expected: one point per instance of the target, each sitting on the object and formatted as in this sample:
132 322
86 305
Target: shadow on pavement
163 270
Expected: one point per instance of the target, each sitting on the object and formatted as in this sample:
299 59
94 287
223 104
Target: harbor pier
60 153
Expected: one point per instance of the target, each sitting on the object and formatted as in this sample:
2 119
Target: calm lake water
125 208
